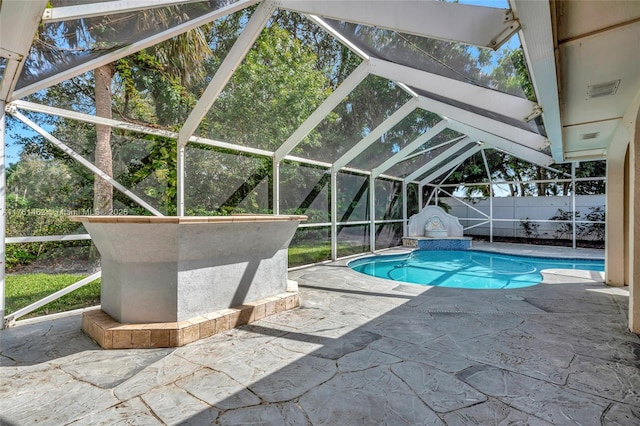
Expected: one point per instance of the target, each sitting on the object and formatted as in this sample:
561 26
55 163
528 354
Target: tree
102 32
44 183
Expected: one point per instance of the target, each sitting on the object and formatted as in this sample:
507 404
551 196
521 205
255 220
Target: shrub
529 228
38 222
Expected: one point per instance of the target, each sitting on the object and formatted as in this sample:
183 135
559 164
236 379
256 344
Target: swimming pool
467 268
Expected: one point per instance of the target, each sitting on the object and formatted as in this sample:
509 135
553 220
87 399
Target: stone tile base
110 334
427 243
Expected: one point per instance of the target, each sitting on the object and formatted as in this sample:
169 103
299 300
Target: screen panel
353 239
221 182
364 109
305 190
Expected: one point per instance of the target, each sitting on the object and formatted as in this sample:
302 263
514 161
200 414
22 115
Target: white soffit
588 17
473 25
589 137
491 100
598 60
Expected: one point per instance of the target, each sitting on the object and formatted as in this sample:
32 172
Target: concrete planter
167 269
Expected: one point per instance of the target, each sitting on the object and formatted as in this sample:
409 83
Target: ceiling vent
603 89
587 136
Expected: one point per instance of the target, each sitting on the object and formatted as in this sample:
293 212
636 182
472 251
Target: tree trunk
102 190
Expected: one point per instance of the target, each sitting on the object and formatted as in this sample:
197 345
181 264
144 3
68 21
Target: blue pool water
467 268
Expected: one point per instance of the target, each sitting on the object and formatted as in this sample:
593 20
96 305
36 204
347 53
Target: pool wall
424 243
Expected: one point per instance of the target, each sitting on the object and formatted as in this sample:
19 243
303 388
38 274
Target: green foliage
594 231
38 222
309 252
564 229
520 173
254 110
529 228
45 183
511 74
150 169
22 290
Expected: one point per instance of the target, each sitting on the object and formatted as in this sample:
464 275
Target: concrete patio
359 351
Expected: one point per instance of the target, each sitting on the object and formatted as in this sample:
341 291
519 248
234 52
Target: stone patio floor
360 350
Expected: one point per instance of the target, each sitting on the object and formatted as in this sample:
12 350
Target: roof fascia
473 25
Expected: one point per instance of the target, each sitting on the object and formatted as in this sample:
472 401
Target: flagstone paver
175 406
359 350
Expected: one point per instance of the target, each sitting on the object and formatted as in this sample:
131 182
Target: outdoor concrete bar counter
174 269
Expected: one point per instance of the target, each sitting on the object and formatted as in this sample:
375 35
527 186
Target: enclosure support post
490 212
405 208
420 189
276 186
573 204
180 180
3 212
372 214
334 214
486 167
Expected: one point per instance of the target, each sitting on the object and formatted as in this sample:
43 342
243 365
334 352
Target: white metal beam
520 151
338 36
431 148
333 191
129 49
341 92
87 118
415 144
19 22
87 164
224 73
237 53
471 94
65 13
437 159
376 133
405 208
372 214
537 40
58 294
507 131
459 160
474 25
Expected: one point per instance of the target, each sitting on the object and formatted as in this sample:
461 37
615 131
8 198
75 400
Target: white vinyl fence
511 215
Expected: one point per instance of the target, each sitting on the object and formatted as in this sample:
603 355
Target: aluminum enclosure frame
496 26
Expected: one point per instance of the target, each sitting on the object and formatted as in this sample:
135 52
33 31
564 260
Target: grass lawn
24 289
305 253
